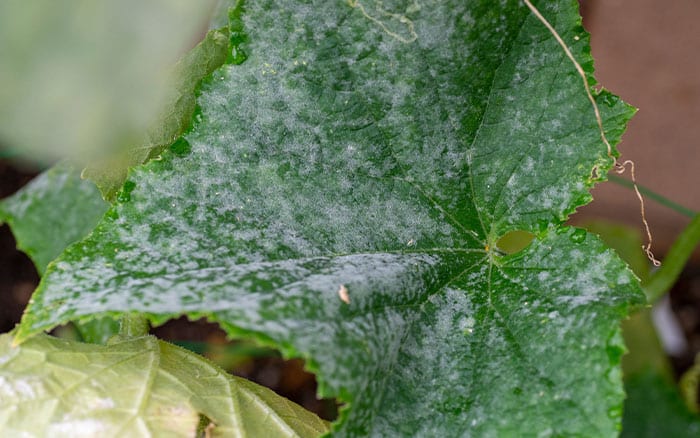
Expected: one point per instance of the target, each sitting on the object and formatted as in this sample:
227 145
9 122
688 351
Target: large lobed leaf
134 387
341 195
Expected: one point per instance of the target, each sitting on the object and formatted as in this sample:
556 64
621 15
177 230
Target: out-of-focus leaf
97 330
690 385
654 409
135 387
645 351
83 78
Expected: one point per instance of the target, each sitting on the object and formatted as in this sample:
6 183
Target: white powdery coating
77 428
22 389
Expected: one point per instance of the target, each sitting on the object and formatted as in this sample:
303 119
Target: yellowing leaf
139 387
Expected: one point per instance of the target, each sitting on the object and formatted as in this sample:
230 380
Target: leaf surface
55 209
341 196
136 387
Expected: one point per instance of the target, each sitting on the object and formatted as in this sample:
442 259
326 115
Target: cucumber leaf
341 196
134 387
54 210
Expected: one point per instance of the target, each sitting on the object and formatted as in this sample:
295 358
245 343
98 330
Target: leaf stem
661 199
662 280
133 325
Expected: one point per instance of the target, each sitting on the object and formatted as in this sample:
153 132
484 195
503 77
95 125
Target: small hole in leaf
204 427
514 241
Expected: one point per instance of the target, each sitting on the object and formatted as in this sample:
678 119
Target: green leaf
175 115
341 196
135 387
97 330
83 80
645 351
654 408
54 210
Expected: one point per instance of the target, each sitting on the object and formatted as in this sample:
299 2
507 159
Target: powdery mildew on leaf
337 154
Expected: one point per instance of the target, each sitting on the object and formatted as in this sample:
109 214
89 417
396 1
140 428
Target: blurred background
646 52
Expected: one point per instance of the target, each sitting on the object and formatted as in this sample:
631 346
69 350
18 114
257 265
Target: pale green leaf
341 195
135 387
81 79
689 384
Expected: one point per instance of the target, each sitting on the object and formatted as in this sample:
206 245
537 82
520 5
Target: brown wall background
648 52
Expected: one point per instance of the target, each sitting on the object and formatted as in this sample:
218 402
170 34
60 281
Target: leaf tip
23 332
17 340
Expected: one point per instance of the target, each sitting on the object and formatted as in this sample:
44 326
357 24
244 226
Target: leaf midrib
490 234
517 350
410 325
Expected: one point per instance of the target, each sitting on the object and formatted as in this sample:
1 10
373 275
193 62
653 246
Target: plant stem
661 199
133 325
662 280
